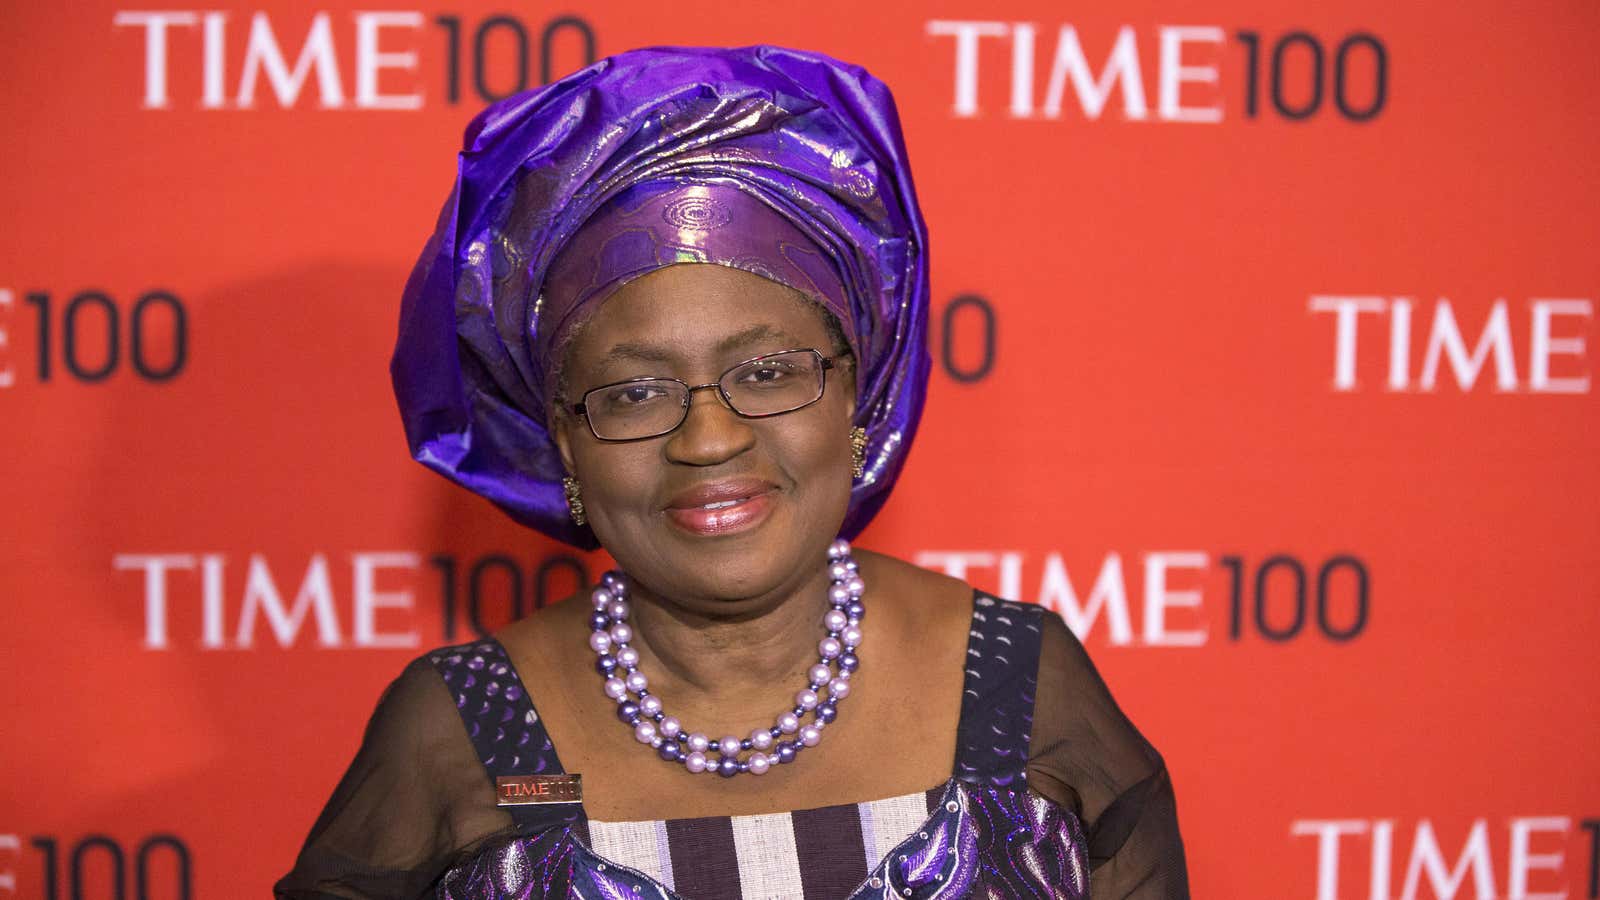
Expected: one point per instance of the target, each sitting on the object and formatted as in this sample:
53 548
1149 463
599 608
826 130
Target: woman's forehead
693 308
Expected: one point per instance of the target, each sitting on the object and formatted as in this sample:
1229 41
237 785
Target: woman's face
646 499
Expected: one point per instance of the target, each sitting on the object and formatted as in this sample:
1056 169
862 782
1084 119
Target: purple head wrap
662 223
781 162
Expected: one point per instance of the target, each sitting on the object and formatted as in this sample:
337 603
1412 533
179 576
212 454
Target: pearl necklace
789 734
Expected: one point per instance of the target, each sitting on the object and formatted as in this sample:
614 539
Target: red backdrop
1265 346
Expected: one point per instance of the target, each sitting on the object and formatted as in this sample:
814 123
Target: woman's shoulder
418 686
547 626
931 604
923 603
929 592
539 646
431 692
418 705
892 576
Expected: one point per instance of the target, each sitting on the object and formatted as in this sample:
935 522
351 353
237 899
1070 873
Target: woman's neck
725 658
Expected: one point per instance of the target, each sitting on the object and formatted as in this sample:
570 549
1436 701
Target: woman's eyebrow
626 350
753 334
629 350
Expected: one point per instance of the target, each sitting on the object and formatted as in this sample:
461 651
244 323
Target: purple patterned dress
986 835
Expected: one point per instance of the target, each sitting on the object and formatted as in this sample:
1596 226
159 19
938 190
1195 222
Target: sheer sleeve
1086 755
414 800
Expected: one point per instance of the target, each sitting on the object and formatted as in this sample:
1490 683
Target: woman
675 307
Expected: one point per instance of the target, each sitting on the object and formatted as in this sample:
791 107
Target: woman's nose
711 433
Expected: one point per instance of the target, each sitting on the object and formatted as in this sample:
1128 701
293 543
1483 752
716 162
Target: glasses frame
825 363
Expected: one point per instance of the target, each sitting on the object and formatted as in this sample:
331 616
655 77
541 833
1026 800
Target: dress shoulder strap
504 727
997 695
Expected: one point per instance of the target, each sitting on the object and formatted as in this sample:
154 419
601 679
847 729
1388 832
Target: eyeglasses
768 385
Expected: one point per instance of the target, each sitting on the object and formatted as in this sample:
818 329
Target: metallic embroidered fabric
982 841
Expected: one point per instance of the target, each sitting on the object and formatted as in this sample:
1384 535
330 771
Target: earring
858 451
574 499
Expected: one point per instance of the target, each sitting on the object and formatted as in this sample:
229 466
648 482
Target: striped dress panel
778 856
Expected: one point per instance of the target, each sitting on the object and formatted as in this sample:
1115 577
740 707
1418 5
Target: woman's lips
723 517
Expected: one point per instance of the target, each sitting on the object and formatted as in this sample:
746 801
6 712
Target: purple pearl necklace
789 734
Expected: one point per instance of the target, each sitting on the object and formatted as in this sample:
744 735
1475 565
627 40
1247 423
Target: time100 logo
98 865
91 335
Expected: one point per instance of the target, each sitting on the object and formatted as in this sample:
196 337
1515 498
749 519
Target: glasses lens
776 383
634 409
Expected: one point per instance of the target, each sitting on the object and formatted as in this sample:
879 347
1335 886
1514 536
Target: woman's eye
635 395
767 374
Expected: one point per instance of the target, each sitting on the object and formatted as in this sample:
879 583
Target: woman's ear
561 425
850 398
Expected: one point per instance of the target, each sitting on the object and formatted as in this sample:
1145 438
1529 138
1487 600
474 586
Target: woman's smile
722 507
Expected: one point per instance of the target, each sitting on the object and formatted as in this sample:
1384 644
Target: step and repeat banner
1265 352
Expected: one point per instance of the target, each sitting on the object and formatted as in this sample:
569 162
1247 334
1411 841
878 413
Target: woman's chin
730 570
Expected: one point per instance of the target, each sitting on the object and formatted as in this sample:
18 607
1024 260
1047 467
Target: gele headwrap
661 223
794 159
